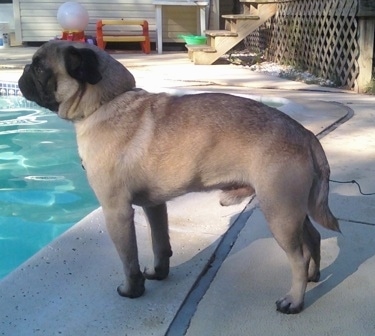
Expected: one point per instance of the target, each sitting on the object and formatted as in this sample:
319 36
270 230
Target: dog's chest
113 147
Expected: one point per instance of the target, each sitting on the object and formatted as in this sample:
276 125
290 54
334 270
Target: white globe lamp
72 16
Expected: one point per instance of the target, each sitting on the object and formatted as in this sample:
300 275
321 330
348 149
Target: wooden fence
319 36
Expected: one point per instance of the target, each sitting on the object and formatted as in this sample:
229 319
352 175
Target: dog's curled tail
318 198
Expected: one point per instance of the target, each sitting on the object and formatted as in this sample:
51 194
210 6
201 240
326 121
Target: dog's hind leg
285 214
292 243
311 238
303 251
158 219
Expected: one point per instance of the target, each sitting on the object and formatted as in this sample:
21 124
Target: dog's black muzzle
37 90
26 85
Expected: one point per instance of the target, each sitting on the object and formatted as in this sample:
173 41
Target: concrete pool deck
223 281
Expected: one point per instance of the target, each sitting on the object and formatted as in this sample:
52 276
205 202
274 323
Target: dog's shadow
355 246
342 253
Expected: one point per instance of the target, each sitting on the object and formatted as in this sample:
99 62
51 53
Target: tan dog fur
144 149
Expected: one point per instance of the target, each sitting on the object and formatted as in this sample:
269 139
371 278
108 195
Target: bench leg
99 42
145 45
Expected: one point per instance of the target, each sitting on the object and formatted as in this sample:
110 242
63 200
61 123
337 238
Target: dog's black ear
82 64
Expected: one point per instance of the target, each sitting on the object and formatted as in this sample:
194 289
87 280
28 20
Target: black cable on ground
356 183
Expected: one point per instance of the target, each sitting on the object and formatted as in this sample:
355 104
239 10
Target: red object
73 36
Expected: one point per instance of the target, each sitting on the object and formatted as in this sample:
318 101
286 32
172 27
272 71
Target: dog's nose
26 68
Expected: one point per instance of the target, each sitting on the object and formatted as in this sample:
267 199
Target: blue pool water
43 188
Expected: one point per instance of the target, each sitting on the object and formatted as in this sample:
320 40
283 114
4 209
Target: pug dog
141 148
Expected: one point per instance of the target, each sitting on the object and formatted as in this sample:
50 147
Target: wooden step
255 2
193 49
200 47
250 7
215 33
237 27
261 2
240 17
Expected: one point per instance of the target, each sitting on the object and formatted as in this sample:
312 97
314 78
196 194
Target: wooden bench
127 36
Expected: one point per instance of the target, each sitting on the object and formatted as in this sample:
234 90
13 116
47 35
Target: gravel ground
258 64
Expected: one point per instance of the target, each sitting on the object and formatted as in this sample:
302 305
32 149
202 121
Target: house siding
38 23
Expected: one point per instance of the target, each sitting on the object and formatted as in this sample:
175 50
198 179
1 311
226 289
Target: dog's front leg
120 223
158 219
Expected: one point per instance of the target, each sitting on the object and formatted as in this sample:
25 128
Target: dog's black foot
135 287
285 306
314 278
158 273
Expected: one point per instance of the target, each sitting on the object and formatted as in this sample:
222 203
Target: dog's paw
285 305
315 277
161 269
158 273
133 287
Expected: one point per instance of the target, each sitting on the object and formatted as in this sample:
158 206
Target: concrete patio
227 271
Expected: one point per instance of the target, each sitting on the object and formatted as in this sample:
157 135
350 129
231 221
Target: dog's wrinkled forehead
42 58
51 56
84 63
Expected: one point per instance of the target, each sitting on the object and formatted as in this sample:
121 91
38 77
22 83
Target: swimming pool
43 188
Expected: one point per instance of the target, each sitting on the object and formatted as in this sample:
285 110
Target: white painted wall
36 19
6 14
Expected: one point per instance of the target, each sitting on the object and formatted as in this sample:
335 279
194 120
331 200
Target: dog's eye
38 69
37 66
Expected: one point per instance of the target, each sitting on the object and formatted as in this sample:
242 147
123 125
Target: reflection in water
43 189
